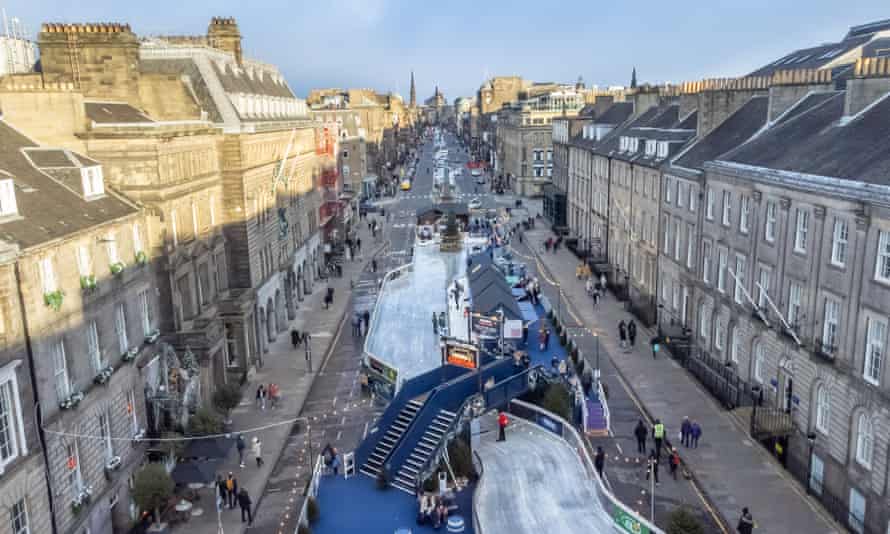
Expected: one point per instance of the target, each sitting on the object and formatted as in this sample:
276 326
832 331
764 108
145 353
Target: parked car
475 204
476 172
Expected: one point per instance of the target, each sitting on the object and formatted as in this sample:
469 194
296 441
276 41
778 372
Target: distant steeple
633 79
413 92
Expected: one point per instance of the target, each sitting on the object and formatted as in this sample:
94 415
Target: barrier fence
622 516
388 373
311 492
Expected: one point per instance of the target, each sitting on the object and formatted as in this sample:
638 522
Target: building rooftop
616 113
46 184
732 132
114 112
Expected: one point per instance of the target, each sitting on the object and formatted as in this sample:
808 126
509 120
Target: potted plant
116 268
88 282
152 488
312 510
53 299
104 375
205 423
226 398
141 258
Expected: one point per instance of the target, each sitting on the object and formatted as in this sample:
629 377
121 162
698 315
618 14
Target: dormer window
8 204
634 144
662 151
650 147
625 143
93 184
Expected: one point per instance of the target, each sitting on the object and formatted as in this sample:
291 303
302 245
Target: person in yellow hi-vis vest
658 435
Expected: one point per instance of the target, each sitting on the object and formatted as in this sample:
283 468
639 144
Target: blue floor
533 347
356 505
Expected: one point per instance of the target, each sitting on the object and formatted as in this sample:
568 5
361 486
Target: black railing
720 379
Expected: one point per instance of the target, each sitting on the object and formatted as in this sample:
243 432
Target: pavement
731 469
288 368
551 494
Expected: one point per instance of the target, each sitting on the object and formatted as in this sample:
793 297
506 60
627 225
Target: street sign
460 354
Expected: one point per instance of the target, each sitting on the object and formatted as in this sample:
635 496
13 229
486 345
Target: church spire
413 92
633 78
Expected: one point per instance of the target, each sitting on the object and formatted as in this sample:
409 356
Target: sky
458 44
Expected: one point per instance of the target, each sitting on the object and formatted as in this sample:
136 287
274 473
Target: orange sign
461 355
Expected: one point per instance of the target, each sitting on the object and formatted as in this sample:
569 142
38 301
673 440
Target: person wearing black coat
244 502
641 432
599 461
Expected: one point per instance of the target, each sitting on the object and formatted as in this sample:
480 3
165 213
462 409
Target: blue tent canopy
528 311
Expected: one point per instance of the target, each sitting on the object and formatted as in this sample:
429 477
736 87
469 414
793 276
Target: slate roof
262 82
813 57
495 297
690 122
805 104
114 112
735 130
48 208
818 142
667 118
616 114
485 277
610 143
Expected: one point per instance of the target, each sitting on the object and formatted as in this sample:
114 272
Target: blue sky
456 44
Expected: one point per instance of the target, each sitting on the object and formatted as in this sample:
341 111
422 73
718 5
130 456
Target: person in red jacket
502 425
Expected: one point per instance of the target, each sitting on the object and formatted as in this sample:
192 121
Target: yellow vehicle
405 185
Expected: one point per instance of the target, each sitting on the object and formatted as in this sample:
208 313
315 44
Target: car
480 180
475 204
405 185
476 172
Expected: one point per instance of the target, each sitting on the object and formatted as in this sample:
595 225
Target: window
231 346
105 434
801 230
666 222
111 248
709 206
675 296
762 286
864 440
120 327
668 186
677 236
734 345
719 331
823 408
93 350
769 229
794 303
693 198
739 285
744 210
856 514
18 517
706 262
830 326
174 231
83 260
817 474
839 240
550 155
91 178
681 193
47 275
758 363
8 204
875 334
12 432
145 308
689 246
882 268
204 283
137 239
721 270
727 208
131 413
60 366
704 324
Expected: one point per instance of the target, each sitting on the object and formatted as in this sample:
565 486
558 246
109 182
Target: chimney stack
871 81
223 34
787 87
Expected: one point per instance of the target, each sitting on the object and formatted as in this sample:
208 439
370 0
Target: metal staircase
406 478
391 438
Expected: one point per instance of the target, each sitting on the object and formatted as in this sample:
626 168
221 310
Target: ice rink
403 333
534 482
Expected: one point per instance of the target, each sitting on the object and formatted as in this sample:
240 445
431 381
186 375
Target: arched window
864 441
823 408
758 363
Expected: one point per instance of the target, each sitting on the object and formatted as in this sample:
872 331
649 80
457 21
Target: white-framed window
93 350
668 186
174 230
693 198
722 259
727 208
137 238
739 285
111 248
704 324
856 513
865 440
105 434
8 204
882 266
801 230
706 262
677 240
839 239
72 465
48 275
769 229
60 371
795 296
709 205
665 289
675 296
744 211
817 474
132 415
18 517
734 345
719 332
666 221
759 360
763 278
681 193
830 325
145 309
875 340
84 265
690 246
120 327
12 429
91 177
823 408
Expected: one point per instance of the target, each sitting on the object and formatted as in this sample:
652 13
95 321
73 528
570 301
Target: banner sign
548 423
628 522
513 329
460 354
486 327
385 372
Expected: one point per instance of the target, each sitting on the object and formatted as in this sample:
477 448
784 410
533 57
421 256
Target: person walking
599 461
502 426
658 436
295 338
435 324
260 396
546 339
356 324
374 265
632 332
622 334
258 450
222 489
588 286
308 354
641 432
241 445
652 469
674 461
231 490
656 347
746 522
686 432
695 433
244 502
366 318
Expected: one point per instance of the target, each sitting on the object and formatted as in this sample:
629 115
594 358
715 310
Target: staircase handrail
426 469
604 403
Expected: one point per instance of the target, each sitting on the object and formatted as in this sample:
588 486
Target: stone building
84 271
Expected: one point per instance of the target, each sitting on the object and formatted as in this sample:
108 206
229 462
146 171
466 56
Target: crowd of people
431 509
